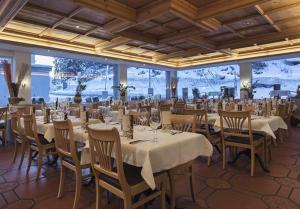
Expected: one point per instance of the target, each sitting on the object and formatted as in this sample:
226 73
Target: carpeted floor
232 188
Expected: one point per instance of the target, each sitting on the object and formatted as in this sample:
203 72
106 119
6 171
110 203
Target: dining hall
149 104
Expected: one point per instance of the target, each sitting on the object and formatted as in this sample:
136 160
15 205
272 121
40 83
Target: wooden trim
267 17
8 10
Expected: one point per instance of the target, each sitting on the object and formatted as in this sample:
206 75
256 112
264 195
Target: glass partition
60 77
285 72
147 82
209 81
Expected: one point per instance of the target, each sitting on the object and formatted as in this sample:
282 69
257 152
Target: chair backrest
74 111
64 140
144 108
185 123
15 123
233 124
30 128
179 108
96 114
105 146
164 107
201 120
281 110
140 118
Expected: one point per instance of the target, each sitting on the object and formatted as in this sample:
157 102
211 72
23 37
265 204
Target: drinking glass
154 124
107 119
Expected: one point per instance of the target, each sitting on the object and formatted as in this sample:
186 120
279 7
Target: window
4 91
60 77
285 72
147 82
209 80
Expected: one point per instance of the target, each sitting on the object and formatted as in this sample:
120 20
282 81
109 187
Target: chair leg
209 161
224 156
40 161
252 161
98 195
172 191
23 149
61 181
29 160
15 151
192 184
78 188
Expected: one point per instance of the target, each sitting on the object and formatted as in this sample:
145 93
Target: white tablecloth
267 125
48 129
169 152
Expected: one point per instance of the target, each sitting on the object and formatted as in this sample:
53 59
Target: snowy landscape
285 72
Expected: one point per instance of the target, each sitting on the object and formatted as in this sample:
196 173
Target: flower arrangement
174 83
123 89
79 89
248 88
14 87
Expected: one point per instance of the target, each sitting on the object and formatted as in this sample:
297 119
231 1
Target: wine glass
107 118
154 124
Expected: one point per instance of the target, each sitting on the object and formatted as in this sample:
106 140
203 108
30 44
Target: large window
147 82
61 75
4 91
285 72
209 80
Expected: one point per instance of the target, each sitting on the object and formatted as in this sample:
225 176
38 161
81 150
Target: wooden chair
233 134
74 111
185 123
164 107
203 127
179 108
3 123
124 183
282 111
144 108
20 141
139 116
96 114
37 143
70 157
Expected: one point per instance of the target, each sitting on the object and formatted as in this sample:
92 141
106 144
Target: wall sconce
23 85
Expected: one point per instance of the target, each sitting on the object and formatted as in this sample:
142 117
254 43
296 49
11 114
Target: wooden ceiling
173 33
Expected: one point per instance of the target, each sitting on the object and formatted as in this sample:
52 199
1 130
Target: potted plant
174 83
196 93
122 88
246 91
79 89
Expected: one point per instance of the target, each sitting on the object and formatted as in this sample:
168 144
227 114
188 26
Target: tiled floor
216 188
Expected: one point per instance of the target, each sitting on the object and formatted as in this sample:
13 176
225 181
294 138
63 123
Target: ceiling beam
267 17
112 44
112 8
143 14
222 6
59 22
262 39
8 10
94 30
285 7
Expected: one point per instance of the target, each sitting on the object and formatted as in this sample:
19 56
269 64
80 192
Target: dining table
169 150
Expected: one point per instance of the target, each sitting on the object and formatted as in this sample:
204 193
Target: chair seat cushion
243 140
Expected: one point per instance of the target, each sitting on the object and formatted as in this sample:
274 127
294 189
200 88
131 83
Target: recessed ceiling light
77 26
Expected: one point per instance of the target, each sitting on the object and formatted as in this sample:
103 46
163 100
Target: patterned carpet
232 188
